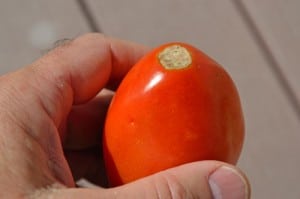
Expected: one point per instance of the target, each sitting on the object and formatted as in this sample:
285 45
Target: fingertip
229 182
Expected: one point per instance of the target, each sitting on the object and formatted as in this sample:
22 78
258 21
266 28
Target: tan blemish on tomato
175 57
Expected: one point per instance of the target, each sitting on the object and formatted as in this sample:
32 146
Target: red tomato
175 106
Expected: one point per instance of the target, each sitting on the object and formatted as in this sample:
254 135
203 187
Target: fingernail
227 183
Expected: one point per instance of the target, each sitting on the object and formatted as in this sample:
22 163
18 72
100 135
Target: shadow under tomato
88 164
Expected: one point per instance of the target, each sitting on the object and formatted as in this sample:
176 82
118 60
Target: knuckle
168 186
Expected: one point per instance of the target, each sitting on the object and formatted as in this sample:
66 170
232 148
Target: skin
43 147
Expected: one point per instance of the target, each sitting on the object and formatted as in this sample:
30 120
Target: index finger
72 74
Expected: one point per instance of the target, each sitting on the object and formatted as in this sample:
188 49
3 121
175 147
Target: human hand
51 113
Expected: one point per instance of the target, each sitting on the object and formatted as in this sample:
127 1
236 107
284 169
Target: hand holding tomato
53 103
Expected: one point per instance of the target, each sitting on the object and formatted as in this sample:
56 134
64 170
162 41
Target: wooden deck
258 42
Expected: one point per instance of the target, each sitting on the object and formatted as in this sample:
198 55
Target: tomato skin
160 118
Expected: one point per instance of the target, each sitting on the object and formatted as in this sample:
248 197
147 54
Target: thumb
205 179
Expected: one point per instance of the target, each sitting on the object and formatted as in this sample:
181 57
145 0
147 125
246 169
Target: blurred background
257 41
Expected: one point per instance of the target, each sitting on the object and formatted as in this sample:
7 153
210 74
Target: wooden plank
29 28
270 157
278 23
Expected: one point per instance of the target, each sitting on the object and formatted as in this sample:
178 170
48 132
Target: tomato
175 106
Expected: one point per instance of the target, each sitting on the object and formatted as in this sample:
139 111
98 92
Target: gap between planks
271 60
87 14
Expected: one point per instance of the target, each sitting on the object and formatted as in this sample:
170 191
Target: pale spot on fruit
175 57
